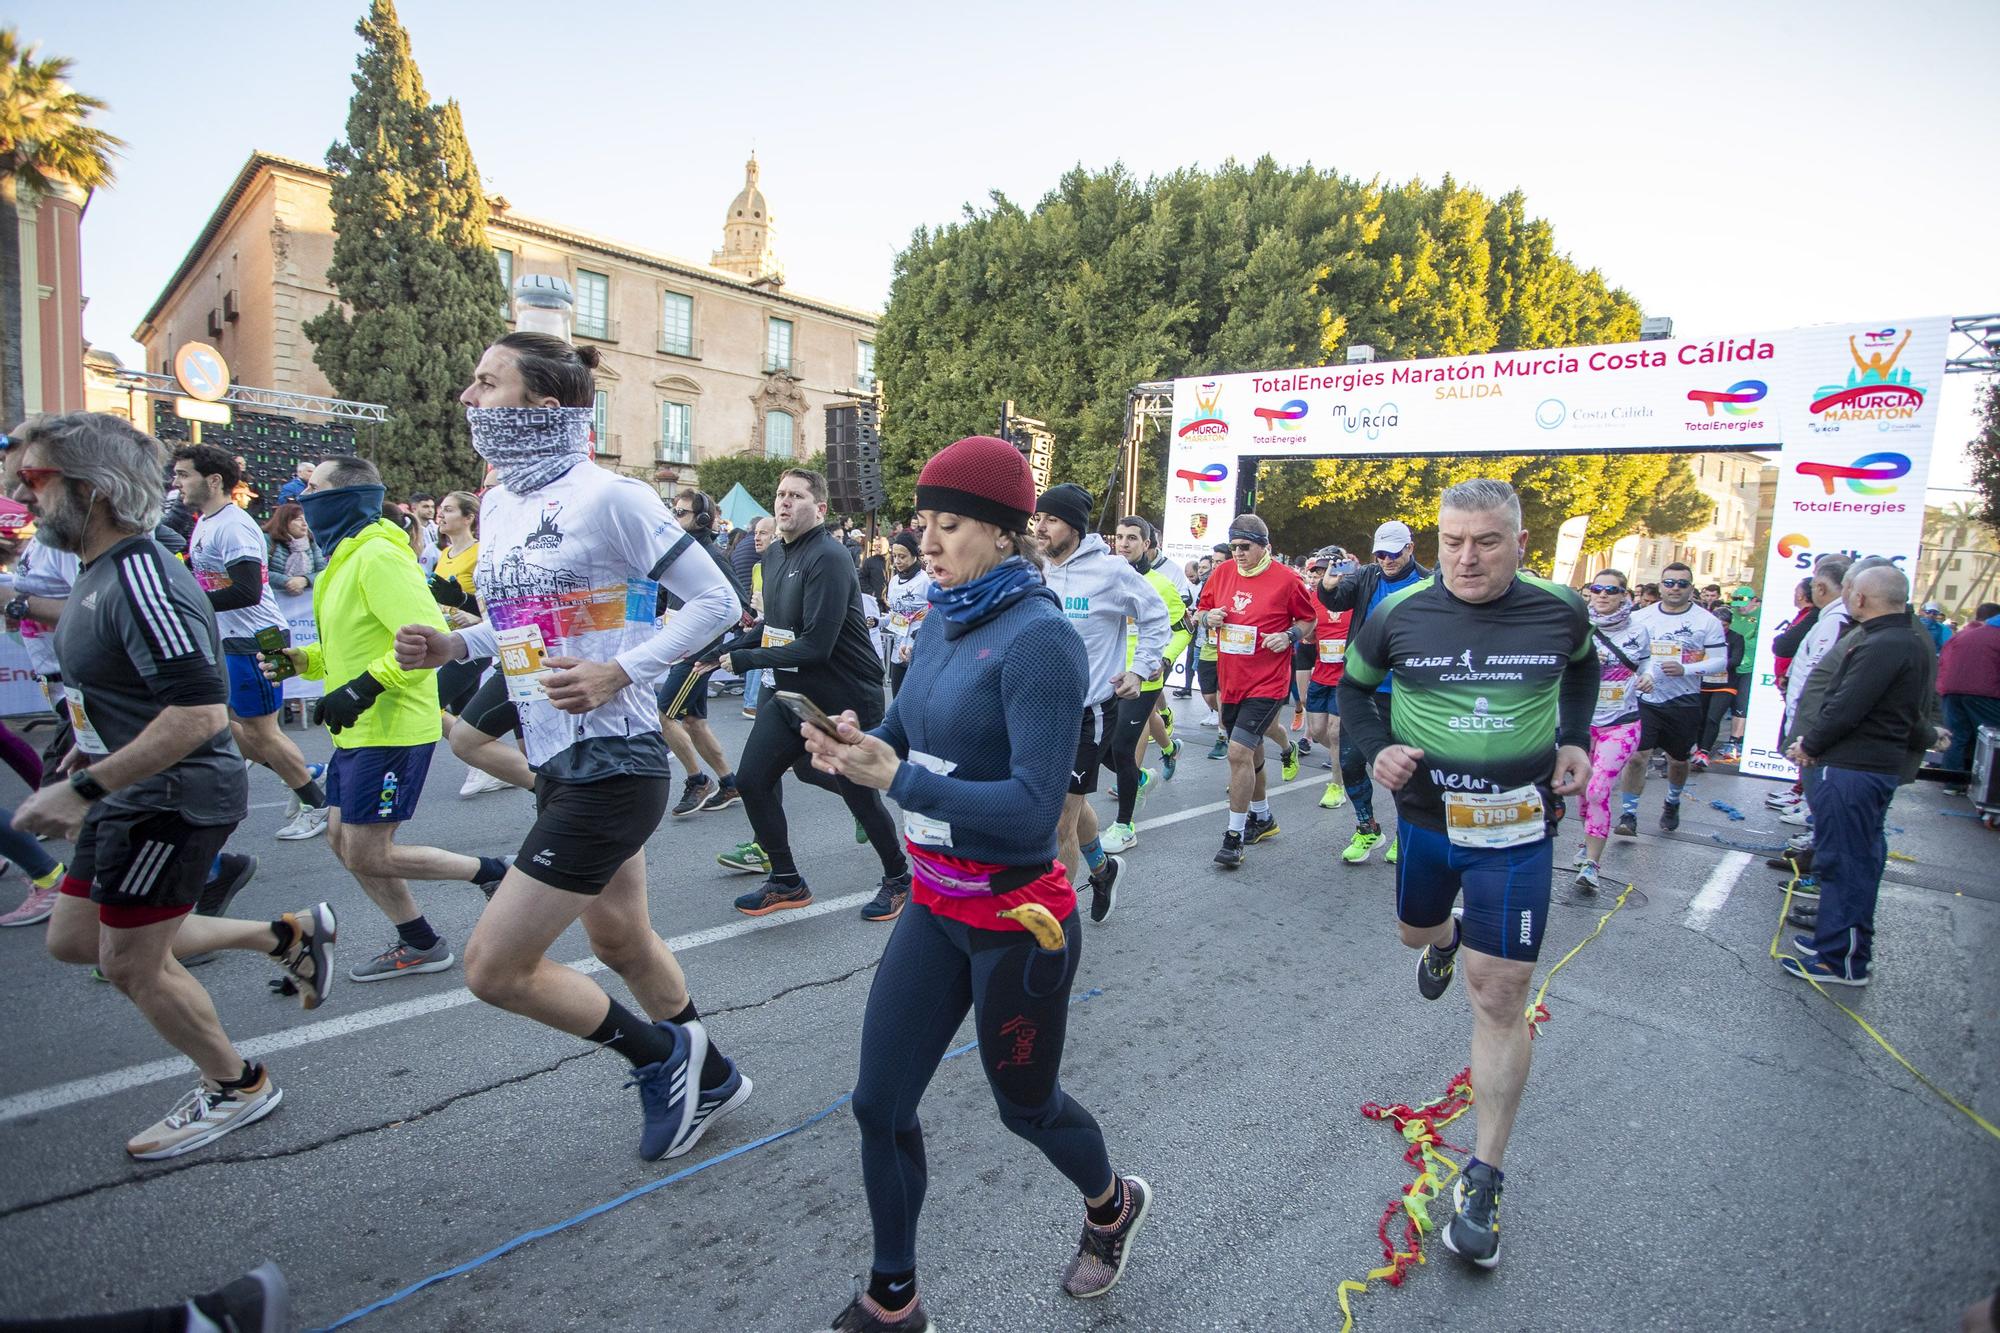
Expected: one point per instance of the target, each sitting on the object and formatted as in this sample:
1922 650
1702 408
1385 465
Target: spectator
1711 596
875 579
1649 594
1786 641
1968 678
1829 572
301 478
293 559
1936 625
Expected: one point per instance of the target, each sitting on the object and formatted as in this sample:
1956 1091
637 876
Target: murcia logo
546 535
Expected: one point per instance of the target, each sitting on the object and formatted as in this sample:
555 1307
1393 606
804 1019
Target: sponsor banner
1852 406
297 609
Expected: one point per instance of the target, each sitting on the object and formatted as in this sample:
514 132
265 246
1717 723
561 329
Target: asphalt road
1705 1144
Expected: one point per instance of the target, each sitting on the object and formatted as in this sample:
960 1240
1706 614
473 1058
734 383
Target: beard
60 521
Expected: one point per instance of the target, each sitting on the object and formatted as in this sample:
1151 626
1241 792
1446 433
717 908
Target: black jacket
812 592
1354 593
1792 637
1878 700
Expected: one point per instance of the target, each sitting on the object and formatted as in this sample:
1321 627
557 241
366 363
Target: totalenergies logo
1878 338
1285 417
1208 480
1737 400
1863 474
1208 419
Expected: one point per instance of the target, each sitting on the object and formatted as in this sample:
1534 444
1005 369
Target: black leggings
775 746
1124 722
932 972
490 710
1716 705
458 682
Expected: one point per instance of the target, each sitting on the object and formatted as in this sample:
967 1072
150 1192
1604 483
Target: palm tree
45 142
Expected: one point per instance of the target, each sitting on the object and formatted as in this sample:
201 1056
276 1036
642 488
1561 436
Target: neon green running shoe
1366 836
1389 852
1334 796
1288 764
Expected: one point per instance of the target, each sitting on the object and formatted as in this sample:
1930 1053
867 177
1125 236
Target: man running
1256 610
570 569
683 692
227 554
155 784
1330 635
1496 679
1099 593
1687 640
1395 568
1125 739
1160 728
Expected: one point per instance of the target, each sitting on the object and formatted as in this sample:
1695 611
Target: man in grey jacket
1099 593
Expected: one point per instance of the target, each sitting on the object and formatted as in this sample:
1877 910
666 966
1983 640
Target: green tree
1985 452
47 144
758 474
420 290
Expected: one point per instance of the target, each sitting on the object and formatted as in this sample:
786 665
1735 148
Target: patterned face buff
531 446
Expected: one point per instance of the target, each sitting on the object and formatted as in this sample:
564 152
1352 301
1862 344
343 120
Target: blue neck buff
332 516
998 588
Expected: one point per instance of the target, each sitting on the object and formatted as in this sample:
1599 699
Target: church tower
747 232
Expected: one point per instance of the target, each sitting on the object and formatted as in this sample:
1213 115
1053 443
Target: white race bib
1238 639
922 828
87 739
1611 693
521 654
1490 820
777 638
1667 650
1332 650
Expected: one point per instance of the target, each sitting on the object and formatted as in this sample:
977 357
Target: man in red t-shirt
1329 665
1255 610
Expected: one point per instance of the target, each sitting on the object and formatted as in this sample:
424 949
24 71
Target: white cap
1392 537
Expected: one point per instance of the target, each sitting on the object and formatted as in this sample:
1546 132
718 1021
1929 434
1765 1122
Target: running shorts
1246 720
696 703
1506 889
143 866
250 693
1305 656
1673 727
490 710
377 784
584 831
1741 706
1323 698
1083 773
458 683
1204 671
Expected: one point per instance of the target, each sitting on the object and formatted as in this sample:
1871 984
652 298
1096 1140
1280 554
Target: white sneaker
1796 816
309 823
478 784
1582 858
314 772
203 1116
1119 838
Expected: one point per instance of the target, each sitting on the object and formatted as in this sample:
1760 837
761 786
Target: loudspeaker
854 458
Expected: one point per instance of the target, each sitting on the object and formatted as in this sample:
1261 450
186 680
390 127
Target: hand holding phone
808 712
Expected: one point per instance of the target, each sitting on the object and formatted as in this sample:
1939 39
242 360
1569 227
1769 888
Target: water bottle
387 805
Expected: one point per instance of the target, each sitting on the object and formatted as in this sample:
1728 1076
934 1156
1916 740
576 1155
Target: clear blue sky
1738 167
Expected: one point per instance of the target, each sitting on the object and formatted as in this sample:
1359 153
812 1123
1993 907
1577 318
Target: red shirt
1969 662
1331 636
1268 603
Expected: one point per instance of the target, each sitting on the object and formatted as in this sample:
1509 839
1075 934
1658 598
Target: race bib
1491 820
922 828
1667 650
777 638
1332 650
521 654
87 739
1238 639
899 624
1611 693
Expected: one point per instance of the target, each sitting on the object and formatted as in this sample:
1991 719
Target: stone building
1729 551
1958 566
698 360
49 227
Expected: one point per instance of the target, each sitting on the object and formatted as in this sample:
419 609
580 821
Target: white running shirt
219 541
1694 637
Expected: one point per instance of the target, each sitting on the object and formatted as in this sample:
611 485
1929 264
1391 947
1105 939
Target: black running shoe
1104 888
1436 967
1628 825
1474 1230
1231 855
722 798
693 792
862 1316
1259 828
220 891
258 1302
888 902
1670 816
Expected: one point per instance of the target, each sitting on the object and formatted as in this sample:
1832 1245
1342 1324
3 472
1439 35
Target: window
676 433
600 414
506 259
778 348
1701 468
864 365
677 324
593 304
1708 563
1957 563
1951 592
778 427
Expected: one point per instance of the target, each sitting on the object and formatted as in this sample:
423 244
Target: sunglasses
1676 583
684 513
1239 546
1387 555
38 477
1606 588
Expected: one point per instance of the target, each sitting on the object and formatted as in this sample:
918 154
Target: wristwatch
86 786
16 609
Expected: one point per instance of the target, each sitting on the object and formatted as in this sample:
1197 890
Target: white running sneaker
1119 838
478 784
203 1116
1796 816
314 772
309 823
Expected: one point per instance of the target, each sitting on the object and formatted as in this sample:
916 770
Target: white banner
1853 406
297 609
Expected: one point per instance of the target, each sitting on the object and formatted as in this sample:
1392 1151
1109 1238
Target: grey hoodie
1099 593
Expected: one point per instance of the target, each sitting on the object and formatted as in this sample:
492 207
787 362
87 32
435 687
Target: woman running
976 750
908 598
1614 727
479 715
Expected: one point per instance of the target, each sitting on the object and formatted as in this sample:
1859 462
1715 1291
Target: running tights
1610 747
1354 766
1124 722
20 756
22 848
1716 706
775 746
932 972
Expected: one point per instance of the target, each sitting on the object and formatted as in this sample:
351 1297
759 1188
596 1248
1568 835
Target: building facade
1959 564
52 300
1729 551
698 360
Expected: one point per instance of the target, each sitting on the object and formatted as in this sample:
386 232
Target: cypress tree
420 290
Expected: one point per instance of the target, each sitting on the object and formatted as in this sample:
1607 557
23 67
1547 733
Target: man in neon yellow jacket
383 720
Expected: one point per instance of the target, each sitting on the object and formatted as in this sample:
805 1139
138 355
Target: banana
1038 921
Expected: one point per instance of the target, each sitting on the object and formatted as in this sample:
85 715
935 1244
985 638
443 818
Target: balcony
864 382
603 330
608 445
678 452
687 347
790 364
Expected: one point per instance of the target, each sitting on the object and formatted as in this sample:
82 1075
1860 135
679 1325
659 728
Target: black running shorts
1673 727
584 831
1204 673
1246 720
1089 749
490 710
144 865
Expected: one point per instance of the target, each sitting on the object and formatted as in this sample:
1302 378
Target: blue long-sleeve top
1001 700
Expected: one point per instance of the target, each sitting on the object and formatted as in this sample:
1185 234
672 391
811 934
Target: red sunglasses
38 477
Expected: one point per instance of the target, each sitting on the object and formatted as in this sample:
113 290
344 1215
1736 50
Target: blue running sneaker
1170 759
713 1104
665 1090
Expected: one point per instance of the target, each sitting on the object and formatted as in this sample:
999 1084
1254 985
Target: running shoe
1670 816
1298 717
1219 750
1797 816
222 888
1288 763
479 784
860 833
1334 796
1627 826
771 896
750 713
1120 838
1582 857
1586 877
308 962
203 1116
722 798
693 792
1170 759
1104 888
258 1302
402 960
888 902
1474 1230
667 1097
1436 967
1803 946
1729 754
489 887
1102 1252
310 822
1784 800
864 1316
1167 721
1305 745
1806 886
1231 855
1259 828
314 772
1390 852
1799 842
1816 969
40 904
1365 838
1698 760
711 1105
1147 781
1805 917
747 857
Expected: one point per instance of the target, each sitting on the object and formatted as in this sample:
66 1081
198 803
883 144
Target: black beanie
906 540
1068 502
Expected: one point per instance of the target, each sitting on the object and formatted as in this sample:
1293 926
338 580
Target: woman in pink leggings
1614 729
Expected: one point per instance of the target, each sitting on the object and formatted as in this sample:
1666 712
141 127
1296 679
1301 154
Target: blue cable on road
598 1210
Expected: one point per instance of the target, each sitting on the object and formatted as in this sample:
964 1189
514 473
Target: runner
976 751
451 584
384 721
814 642
1686 641
1099 593
1330 638
570 572
1125 736
1745 611
1623 650
155 782
1256 609
227 554
909 601
683 692
1496 678
1718 691
1160 730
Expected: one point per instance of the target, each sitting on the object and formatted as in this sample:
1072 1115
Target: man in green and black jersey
1496 679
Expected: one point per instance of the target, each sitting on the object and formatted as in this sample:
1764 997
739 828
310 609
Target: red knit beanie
979 477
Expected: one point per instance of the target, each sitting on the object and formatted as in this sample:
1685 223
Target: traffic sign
201 371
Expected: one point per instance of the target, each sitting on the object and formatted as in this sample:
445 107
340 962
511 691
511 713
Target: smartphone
806 711
279 665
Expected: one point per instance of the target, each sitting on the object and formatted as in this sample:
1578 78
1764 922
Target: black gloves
449 592
342 708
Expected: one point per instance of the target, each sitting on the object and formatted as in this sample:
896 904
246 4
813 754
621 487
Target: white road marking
1716 891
